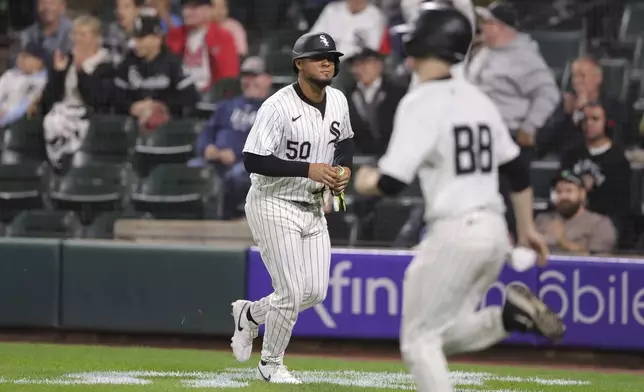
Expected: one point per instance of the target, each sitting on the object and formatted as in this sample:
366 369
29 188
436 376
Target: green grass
44 367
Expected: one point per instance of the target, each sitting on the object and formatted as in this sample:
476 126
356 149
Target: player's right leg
276 228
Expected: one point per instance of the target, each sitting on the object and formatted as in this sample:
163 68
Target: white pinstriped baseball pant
294 244
456 264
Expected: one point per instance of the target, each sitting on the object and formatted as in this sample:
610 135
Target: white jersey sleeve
412 140
265 136
506 149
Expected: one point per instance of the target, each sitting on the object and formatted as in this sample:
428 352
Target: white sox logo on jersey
335 131
324 40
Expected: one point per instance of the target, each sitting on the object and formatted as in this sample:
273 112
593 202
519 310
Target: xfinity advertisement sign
601 300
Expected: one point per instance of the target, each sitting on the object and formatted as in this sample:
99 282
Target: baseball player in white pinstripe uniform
300 145
452 136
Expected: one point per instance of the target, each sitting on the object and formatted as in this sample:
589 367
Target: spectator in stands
372 103
21 87
164 9
220 16
512 72
79 84
118 37
603 167
564 130
571 227
52 31
151 84
208 50
353 24
222 140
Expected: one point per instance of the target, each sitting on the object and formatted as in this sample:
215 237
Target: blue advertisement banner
364 299
600 299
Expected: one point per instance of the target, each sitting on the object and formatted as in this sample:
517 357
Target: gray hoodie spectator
511 70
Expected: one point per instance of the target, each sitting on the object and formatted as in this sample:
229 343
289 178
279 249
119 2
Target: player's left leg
316 248
438 284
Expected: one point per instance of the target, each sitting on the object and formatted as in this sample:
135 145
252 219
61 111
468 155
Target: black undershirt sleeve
272 166
517 171
389 186
343 155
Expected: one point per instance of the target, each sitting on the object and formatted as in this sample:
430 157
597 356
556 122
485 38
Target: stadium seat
616 78
21 188
89 190
559 48
390 216
24 141
103 226
107 140
541 175
45 224
279 63
225 89
175 191
170 143
632 24
342 228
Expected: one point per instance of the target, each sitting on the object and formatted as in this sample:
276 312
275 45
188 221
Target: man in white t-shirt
353 24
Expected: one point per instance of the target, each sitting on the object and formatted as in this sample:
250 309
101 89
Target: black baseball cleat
525 312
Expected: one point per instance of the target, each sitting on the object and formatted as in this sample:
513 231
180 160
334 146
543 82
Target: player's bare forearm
523 210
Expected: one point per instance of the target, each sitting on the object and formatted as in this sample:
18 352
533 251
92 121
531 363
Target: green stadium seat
225 89
542 173
103 226
24 141
45 224
617 77
89 190
559 48
278 63
108 140
343 228
390 216
175 191
170 143
632 24
21 188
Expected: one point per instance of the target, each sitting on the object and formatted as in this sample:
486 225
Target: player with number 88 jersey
450 134
299 148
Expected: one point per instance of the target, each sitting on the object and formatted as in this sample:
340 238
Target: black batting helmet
314 44
441 31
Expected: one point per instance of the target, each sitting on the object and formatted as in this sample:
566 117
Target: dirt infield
356 350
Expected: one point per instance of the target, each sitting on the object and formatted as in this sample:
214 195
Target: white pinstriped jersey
450 134
291 129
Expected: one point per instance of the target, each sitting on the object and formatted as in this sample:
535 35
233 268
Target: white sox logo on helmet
324 40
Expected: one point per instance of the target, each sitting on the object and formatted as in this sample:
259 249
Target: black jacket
611 173
96 89
162 79
367 140
561 134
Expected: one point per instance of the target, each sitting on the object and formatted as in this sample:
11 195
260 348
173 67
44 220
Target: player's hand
525 139
532 239
211 153
343 178
570 103
227 157
323 173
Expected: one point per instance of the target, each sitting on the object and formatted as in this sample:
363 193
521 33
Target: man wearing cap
222 140
571 228
151 78
208 51
511 70
21 87
372 103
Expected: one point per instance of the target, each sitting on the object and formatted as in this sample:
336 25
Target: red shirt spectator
208 51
